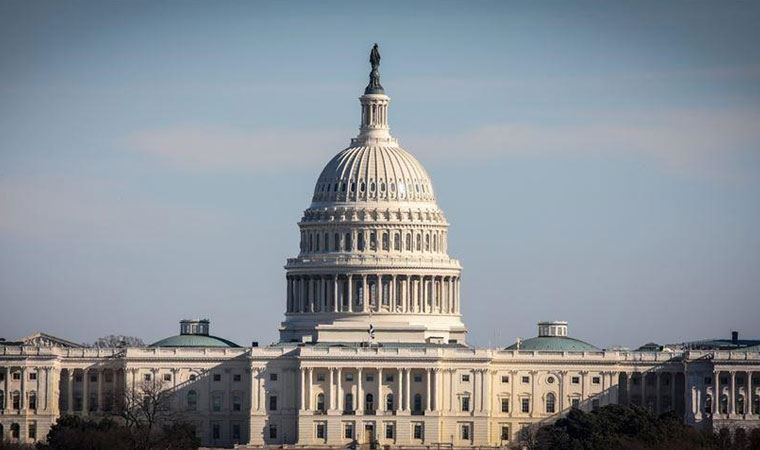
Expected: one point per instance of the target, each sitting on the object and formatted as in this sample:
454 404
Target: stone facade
373 346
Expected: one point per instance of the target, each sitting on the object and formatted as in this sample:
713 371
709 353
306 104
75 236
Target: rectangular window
109 377
575 380
17 376
505 378
321 430
708 380
370 378
167 377
237 402
465 432
237 377
93 377
216 401
320 376
272 431
505 405
596 380
417 431
504 433
388 431
465 403
349 377
525 379
146 377
389 378
33 430
348 431
236 431
465 378
33 376
273 403
217 377
575 403
526 405
272 377
418 378
215 434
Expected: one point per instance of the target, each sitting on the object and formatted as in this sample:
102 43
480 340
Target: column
716 393
332 389
393 300
644 389
379 291
474 405
86 392
427 386
533 391
658 395
289 306
380 399
750 397
303 389
407 402
629 388
359 392
7 398
310 398
37 389
335 293
349 292
732 391
70 391
561 382
100 390
584 390
400 393
340 389
48 387
452 373
488 390
365 294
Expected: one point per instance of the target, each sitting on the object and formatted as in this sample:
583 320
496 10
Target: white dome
375 173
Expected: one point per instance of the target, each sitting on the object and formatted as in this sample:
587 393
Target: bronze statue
374 86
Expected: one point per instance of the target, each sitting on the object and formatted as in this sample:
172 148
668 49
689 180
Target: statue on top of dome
374 86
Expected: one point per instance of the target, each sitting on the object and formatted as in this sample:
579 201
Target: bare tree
146 411
116 341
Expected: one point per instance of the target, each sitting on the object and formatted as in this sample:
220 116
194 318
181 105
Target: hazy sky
598 162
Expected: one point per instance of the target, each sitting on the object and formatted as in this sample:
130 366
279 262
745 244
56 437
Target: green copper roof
194 340
554 344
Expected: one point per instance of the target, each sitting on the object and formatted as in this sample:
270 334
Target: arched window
349 403
311 242
321 402
724 404
16 400
386 241
2 431
316 248
369 403
708 404
417 402
327 242
419 242
336 242
550 401
389 402
360 241
408 242
2 400
756 404
192 400
15 431
397 242
740 404
32 400
427 242
372 241
347 242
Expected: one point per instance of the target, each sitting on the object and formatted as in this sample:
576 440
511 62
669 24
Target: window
596 380
505 405
397 242
408 242
192 377
708 380
386 242
272 377
575 380
550 403
348 431
525 405
320 376
16 400
273 403
349 403
33 376
236 431
77 377
347 242
237 402
167 377
15 430
32 400
465 403
17 376
237 377
389 378
2 399
417 402
33 430
575 403
417 378
109 377
192 400
504 433
369 403
418 432
336 241
505 378
595 404
349 377
215 433
526 379
146 377
321 402
389 402
217 377
272 431
372 240
465 378
216 401
370 377
389 431
465 432
550 380
320 432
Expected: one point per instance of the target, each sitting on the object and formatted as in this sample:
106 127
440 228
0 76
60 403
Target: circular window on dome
361 187
401 189
550 380
353 186
382 187
343 187
372 187
393 187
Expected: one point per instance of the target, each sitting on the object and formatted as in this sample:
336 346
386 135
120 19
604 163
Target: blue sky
599 161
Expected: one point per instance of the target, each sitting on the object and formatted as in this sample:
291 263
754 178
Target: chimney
254 343
734 337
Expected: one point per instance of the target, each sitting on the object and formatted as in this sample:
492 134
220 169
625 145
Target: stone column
340 389
100 390
716 393
86 392
407 399
584 389
332 389
310 397
365 294
70 391
379 292
7 399
474 405
427 387
452 375
359 392
393 300
421 295
350 293
303 389
48 387
533 392
335 293
750 395
400 393
732 392
380 399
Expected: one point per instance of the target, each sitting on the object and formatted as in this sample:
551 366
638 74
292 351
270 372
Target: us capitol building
373 347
